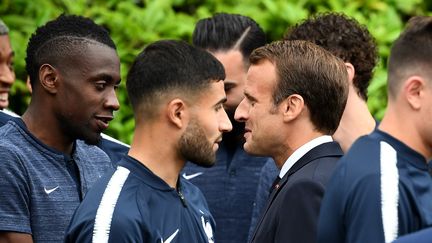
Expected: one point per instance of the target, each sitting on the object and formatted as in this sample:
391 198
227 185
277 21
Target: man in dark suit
295 95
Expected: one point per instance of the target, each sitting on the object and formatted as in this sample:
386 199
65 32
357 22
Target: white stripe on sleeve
389 191
102 225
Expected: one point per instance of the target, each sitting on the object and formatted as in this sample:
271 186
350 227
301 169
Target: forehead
229 58
232 62
95 59
214 94
261 78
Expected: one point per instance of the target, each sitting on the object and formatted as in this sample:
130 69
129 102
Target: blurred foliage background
135 23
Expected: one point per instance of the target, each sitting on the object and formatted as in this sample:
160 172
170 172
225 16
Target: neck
46 128
356 121
398 124
157 152
294 142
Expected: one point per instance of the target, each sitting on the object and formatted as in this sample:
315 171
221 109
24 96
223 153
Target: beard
195 147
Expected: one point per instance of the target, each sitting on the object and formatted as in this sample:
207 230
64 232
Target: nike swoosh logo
188 177
48 191
171 237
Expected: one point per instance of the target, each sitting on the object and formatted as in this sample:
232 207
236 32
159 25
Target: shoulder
423 236
90 153
114 148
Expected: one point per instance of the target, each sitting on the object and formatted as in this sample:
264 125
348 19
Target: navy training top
134 205
380 190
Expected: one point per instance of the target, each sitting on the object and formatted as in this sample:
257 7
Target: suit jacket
292 210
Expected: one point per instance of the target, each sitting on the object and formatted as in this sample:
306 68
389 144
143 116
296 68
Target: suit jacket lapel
322 150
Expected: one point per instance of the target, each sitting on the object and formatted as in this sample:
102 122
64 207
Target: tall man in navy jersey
177 94
48 162
230 186
382 188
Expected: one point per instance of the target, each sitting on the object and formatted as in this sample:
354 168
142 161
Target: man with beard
47 160
230 186
177 94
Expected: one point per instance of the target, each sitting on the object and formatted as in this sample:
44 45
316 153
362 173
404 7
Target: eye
218 107
100 85
250 101
228 86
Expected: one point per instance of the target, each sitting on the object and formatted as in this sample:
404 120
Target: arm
299 212
13 237
14 198
362 215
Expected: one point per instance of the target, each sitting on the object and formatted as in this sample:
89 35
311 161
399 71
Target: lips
247 131
103 121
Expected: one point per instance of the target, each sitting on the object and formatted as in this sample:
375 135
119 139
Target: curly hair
345 38
60 37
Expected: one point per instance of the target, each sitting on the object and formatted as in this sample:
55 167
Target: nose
112 101
225 123
7 74
241 112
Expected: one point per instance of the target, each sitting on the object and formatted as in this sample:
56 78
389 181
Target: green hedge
133 24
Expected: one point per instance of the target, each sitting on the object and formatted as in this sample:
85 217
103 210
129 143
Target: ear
28 84
413 90
351 72
48 77
178 113
292 107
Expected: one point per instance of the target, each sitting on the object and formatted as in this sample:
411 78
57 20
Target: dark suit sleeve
299 213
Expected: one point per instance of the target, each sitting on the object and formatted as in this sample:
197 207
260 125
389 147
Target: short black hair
411 53
59 38
345 38
224 32
170 67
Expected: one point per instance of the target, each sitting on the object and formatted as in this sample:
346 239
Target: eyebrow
107 78
249 97
221 101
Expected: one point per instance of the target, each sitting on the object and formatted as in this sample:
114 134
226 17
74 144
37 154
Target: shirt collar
302 150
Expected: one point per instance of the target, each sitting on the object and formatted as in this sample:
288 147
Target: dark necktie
275 184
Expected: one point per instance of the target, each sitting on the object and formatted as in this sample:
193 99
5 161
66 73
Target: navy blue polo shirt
40 186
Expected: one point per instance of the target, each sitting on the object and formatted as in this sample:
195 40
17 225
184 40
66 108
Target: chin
92 140
251 151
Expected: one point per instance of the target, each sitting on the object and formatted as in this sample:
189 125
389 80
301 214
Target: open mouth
103 121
